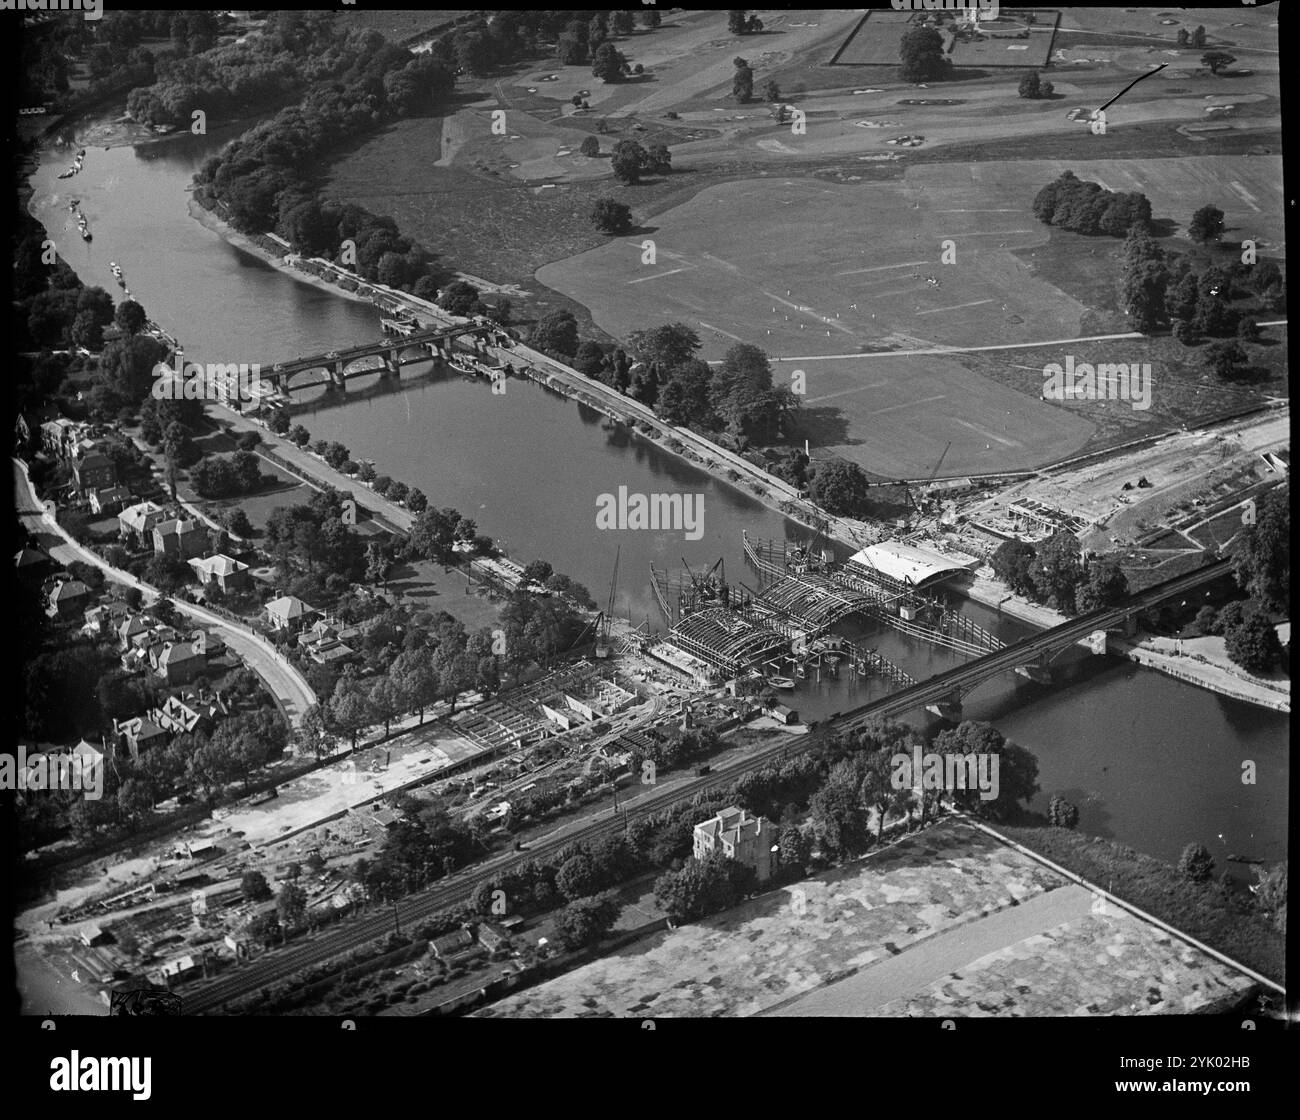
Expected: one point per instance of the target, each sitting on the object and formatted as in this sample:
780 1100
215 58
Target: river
1149 760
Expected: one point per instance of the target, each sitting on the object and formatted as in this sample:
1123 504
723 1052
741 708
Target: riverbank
700 452
1205 663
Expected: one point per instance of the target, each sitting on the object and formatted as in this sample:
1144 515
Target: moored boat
780 682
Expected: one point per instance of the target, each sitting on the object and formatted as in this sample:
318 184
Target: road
279 965
291 691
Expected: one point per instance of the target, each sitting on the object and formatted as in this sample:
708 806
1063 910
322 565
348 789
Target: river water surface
1149 760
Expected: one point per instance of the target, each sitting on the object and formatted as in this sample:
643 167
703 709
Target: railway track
277 966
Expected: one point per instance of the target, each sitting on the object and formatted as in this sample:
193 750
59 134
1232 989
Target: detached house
139 734
289 613
181 538
140 519
228 574
736 834
179 662
109 500
68 598
93 470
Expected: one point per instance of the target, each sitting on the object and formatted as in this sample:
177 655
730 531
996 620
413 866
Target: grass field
875 42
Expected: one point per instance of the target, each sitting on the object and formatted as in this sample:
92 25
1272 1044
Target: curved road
291 691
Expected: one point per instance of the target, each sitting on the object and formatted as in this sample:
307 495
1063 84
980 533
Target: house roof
907 563
178 653
139 513
218 565
69 589
178 525
112 494
450 942
731 824
289 606
29 556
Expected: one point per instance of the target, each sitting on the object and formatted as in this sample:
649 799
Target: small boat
85 235
67 174
780 682
456 361
81 154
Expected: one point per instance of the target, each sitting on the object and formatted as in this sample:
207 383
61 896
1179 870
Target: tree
1183 37
666 346
1017 779
556 332
1252 643
586 920
1010 562
1262 559
1183 331
459 298
742 82
1106 585
590 147
702 887
922 56
1227 358
1031 85
839 487
837 813
254 886
570 49
628 161
651 18
1217 60
349 708
1144 295
129 317
291 905
590 359
577 877
795 850
611 216
416 502
771 91
659 160
1206 224
1198 36
1196 864
300 435
607 63
1248 330
1061 813
737 21
1057 571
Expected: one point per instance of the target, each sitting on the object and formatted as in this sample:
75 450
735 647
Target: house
68 598
785 715
179 968
197 849
331 653
179 662
93 470
493 938
140 519
180 537
139 734
452 944
91 935
289 613
736 834
177 717
228 574
110 499
106 618
58 437
32 564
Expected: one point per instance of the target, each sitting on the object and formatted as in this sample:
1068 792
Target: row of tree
1055 572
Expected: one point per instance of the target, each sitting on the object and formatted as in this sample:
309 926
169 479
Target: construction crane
605 620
